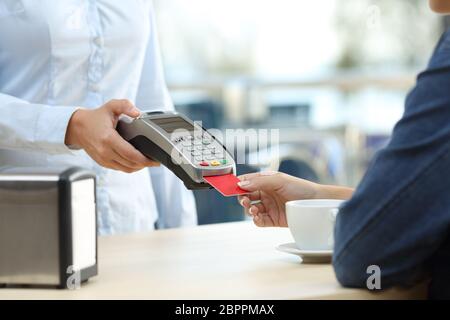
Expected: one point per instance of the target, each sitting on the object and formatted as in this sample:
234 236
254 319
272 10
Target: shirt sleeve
30 126
399 217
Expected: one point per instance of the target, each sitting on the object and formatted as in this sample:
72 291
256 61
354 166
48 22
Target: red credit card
226 184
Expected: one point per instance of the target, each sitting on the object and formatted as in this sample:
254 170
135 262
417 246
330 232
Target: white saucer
308 256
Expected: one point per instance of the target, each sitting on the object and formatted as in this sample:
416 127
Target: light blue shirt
56 56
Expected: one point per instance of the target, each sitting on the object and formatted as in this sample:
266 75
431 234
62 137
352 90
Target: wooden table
226 261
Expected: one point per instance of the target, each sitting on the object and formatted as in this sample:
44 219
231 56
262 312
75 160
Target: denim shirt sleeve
399 215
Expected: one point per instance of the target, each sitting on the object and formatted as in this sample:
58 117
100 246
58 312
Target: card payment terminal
180 144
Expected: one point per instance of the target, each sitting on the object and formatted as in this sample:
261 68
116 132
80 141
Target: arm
270 190
30 126
333 192
51 129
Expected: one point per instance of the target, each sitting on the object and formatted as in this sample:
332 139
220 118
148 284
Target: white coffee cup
311 222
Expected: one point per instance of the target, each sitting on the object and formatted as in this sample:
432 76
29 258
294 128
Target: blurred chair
298 168
301 162
209 112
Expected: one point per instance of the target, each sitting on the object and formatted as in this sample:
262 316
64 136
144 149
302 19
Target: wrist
305 189
73 127
318 191
332 192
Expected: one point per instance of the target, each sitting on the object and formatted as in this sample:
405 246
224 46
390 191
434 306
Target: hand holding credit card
226 184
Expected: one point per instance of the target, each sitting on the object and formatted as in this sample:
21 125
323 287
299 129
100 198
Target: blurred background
332 75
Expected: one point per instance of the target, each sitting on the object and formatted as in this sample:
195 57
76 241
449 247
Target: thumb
118 107
266 181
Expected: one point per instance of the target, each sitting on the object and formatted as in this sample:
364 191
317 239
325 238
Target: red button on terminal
204 164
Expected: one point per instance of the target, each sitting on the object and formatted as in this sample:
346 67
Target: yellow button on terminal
215 163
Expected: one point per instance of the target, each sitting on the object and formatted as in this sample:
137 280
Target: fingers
98 137
130 155
246 199
116 153
266 180
109 159
261 217
248 176
253 208
257 208
116 165
118 107
249 200
263 220
131 166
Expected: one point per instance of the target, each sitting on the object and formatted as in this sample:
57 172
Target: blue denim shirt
399 216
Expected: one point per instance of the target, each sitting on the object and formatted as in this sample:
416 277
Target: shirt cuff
51 127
